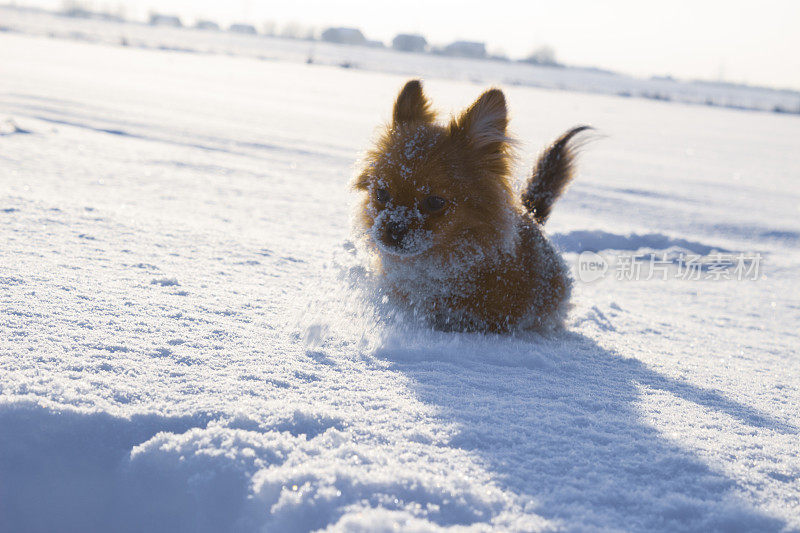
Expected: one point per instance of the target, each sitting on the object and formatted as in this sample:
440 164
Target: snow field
186 347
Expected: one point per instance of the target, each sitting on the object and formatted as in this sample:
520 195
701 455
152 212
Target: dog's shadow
557 421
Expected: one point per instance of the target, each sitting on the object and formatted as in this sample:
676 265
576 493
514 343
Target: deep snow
184 345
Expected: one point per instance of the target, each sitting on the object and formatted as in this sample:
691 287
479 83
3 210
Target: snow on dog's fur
449 238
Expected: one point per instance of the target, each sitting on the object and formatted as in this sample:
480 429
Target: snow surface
184 345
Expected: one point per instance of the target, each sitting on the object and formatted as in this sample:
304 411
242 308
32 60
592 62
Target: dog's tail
552 174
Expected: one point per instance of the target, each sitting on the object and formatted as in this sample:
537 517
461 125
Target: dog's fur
480 260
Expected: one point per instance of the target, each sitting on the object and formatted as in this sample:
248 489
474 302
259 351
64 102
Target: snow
186 345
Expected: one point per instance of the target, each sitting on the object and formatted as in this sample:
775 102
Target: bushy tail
551 176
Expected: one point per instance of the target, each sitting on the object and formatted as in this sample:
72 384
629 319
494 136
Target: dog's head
431 188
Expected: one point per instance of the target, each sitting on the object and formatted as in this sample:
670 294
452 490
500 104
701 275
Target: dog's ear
412 105
484 123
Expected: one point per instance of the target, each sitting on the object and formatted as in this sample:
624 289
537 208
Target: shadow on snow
557 421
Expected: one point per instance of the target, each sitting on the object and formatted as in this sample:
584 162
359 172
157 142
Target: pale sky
755 42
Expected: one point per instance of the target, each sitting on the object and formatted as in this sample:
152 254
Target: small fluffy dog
450 240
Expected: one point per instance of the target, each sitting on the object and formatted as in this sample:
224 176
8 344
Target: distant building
74 9
465 49
207 25
374 44
247 29
407 42
344 36
165 20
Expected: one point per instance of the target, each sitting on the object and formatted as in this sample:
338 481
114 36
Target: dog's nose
396 230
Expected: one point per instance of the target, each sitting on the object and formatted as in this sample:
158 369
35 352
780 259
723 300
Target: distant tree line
403 42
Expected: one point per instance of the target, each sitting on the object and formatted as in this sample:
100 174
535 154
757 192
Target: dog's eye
382 195
434 203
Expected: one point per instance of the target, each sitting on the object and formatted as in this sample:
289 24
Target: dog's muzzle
394 233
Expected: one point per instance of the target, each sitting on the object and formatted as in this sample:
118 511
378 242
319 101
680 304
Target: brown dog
451 241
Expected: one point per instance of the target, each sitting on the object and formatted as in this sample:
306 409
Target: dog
450 242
